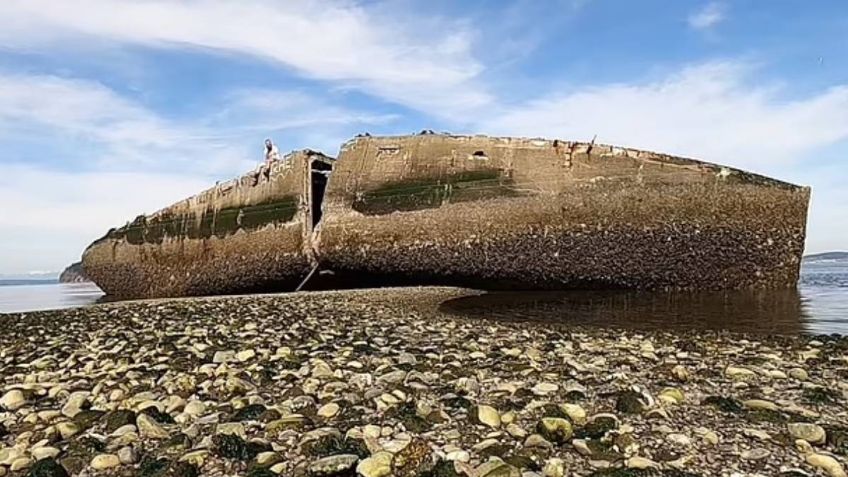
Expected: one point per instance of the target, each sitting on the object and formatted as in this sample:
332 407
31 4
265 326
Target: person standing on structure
272 154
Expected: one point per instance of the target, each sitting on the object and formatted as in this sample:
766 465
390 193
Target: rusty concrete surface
470 211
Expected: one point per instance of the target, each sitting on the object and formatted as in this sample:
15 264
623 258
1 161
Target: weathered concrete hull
554 215
246 235
475 211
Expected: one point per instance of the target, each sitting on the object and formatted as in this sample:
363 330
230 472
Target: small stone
231 429
672 396
223 356
555 429
267 459
127 455
20 464
827 464
554 467
799 373
641 463
543 389
393 377
39 453
812 433
148 427
755 454
245 355
196 458
680 373
536 440
329 410
575 412
105 461
67 429
497 468
681 440
378 465
489 416
738 372
757 434
760 404
711 438
333 465
13 400
458 456
194 408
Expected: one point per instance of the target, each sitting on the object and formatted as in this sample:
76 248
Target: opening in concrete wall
320 174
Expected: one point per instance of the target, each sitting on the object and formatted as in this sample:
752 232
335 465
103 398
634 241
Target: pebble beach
385 382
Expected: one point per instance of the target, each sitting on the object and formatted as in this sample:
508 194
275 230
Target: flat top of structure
602 149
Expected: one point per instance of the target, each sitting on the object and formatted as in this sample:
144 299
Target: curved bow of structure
466 210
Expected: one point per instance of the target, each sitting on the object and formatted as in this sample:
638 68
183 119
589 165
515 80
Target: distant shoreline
9 283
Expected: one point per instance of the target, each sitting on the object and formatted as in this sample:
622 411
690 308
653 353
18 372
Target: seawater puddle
818 306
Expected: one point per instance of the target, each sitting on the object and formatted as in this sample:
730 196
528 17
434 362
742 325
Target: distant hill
827 257
73 274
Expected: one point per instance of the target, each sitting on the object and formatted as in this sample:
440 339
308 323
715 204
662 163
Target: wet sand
387 382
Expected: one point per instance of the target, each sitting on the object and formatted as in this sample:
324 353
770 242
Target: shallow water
52 296
819 306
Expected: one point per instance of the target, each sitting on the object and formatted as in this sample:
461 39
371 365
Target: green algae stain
419 194
220 224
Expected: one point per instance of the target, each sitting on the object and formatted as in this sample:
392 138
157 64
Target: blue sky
112 108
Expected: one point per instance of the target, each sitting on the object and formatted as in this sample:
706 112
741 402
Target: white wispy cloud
711 111
132 160
48 217
126 135
708 16
422 62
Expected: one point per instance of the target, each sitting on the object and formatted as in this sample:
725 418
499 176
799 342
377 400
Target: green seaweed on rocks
251 412
837 439
333 444
47 468
153 467
260 472
407 414
158 416
724 404
232 447
766 415
442 468
630 402
820 395
597 427
119 418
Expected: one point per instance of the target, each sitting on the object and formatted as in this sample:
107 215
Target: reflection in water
781 312
819 306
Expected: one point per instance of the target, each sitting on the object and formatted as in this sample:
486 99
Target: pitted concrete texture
565 215
244 235
471 211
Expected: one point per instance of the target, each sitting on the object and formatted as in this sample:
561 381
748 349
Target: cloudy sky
111 108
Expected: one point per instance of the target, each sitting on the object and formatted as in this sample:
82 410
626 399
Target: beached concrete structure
466 210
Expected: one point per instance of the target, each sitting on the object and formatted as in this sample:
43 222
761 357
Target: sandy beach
384 383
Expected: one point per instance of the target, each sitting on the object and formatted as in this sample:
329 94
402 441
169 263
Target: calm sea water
18 298
819 306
